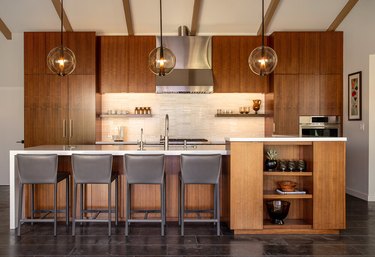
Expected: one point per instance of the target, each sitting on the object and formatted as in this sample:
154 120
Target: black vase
270 164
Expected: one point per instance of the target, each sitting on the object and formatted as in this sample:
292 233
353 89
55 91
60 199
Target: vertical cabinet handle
70 128
64 128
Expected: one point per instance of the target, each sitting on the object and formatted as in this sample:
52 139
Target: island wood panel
45 98
140 78
225 63
329 185
331 53
113 64
309 94
246 185
249 81
35 52
286 46
83 45
331 92
308 52
286 104
82 109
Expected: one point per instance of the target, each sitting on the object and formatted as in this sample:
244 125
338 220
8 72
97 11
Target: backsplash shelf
125 115
238 115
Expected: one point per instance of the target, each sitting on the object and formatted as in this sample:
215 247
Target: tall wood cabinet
123 64
59 110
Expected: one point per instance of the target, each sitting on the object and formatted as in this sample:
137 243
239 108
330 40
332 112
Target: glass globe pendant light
61 60
161 60
263 59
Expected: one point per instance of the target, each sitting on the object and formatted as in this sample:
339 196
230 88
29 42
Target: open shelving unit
125 115
239 115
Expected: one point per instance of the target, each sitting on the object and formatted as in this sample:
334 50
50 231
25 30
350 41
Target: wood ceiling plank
57 4
268 16
195 19
128 17
341 16
5 30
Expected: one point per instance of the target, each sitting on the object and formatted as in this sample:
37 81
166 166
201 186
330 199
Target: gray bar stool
144 169
40 169
93 169
200 169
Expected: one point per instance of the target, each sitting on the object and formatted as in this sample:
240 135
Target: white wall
11 100
359 44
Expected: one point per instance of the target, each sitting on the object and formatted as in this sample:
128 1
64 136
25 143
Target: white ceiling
218 17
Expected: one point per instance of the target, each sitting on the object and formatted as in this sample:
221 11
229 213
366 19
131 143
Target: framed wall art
355 96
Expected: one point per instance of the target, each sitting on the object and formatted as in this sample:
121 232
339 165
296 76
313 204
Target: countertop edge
287 139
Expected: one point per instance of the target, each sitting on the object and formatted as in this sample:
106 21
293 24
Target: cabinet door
329 185
331 53
45 110
309 95
83 46
286 46
246 185
53 39
225 63
113 64
35 54
286 104
309 52
331 95
249 81
81 109
141 79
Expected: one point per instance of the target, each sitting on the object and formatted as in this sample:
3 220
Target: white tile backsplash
190 116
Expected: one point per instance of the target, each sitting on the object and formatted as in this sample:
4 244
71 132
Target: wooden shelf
288 224
238 115
288 173
125 115
273 195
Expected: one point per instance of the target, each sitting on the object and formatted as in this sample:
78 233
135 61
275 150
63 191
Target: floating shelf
287 173
272 195
238 115
125 115
288 224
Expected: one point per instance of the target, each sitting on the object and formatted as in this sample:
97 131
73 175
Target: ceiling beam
5 30
268 16
341 16
128 17
57 4
195 19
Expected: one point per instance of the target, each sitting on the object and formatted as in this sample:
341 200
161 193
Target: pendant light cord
161 32
262 27
62 22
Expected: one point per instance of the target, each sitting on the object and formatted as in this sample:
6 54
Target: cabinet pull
70 128
64 128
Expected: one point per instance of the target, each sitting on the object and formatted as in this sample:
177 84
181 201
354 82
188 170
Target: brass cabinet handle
64 128
70 128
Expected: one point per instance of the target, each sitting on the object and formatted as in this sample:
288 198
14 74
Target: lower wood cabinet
320 210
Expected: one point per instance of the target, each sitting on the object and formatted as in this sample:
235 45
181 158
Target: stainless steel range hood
193 72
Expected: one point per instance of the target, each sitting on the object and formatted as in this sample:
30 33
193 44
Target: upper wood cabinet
123 64
308 55
230 66
331 53
35 55
330 92
286 46
83 45
309 94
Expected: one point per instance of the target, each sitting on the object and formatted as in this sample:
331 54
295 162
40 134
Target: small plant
271 154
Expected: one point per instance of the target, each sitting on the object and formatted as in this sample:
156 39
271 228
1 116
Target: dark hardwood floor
200 240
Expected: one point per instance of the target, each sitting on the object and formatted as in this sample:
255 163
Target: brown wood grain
329 185
53 39
309 94
35 54
308 52
286 46
246 186
331 94
83 45
331 53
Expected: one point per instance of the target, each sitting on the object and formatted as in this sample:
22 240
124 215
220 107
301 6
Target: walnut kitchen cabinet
286 46
35 53
331 53
230 66
123 64
331 94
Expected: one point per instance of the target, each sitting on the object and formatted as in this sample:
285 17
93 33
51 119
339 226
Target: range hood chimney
193 70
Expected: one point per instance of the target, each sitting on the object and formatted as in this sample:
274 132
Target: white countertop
286 139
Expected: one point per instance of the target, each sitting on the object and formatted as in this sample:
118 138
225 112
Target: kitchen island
245 185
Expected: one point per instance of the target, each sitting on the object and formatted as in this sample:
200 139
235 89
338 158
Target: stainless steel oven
319 126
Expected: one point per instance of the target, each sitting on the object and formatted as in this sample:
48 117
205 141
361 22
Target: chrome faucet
141 143
166 133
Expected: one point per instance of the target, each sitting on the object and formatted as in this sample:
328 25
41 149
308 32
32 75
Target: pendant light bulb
61 60
161 60
263 59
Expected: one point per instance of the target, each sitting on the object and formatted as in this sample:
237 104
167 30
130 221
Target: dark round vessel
277 210
270 164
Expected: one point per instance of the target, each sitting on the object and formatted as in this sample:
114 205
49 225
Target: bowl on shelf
287 186
277 210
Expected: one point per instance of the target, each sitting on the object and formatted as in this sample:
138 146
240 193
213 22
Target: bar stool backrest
37 169
92 168
144 168
200 169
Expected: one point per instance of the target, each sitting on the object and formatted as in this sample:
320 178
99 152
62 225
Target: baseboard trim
360 195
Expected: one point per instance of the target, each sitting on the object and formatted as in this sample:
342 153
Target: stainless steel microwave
319 126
